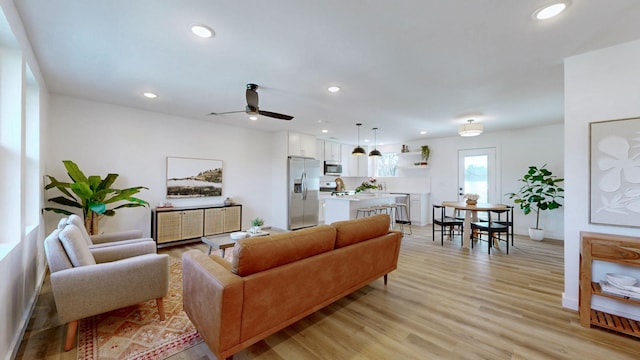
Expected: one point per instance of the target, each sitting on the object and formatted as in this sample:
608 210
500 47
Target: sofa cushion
354 231
75 246
260 253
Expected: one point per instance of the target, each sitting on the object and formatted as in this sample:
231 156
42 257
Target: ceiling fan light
470 129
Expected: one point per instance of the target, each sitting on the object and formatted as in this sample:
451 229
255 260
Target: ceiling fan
252 106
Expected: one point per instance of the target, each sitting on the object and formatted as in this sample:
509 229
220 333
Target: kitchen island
345 207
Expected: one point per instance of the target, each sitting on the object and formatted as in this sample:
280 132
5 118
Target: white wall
21 259
516 150
104 138
600 85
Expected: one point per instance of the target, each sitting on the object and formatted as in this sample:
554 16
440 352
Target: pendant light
470 129
375 152
358 151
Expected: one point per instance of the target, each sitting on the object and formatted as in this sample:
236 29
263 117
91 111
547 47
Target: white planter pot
536 234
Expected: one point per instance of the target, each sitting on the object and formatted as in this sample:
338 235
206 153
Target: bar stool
365 212
392 210
402 217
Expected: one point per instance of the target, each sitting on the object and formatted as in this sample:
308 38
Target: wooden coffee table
223 242
218 242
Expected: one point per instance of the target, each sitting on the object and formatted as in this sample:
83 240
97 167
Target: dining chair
446 223
508 221
493 227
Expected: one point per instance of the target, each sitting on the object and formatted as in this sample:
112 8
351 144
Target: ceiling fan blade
252 95
228 112
275 115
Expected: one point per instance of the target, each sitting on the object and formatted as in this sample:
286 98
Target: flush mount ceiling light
358 151
375 152
149 95
550 10
333 89
470 129
202 31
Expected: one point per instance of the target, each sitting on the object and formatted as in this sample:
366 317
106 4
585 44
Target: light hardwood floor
443 302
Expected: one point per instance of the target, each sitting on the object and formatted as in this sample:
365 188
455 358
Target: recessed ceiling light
551 10
422 132
253 117
202 31
150 95
324 131
333 89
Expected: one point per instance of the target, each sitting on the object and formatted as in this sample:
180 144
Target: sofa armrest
93 289
213 298
114 252
116 236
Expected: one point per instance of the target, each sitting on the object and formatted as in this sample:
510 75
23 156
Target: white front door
477 174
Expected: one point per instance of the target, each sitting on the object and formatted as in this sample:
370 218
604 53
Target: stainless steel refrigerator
304 186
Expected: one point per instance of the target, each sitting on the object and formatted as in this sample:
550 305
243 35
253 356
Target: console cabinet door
169 227
192 221
213 221
232 217
222 220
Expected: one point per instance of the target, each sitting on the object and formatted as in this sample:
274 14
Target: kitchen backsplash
390 184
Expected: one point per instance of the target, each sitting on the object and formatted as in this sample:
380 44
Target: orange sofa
279 279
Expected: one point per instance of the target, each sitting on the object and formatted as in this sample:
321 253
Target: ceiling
404 66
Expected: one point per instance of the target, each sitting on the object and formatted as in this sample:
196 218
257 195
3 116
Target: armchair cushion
75 246
123 250
76 220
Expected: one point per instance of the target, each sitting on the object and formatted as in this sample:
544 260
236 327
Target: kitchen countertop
363 197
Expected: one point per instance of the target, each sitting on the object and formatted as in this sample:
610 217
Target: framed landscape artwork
615 172
187 178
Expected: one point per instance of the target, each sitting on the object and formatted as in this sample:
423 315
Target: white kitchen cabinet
354 165
302 145
418 211
332 151
320 150
345 151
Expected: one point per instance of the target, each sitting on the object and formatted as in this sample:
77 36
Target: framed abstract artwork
187 177
614 166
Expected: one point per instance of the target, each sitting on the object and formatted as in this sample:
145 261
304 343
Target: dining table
471 214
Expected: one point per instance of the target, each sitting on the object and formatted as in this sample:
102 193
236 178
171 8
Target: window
386 165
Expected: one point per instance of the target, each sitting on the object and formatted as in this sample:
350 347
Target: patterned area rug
136 332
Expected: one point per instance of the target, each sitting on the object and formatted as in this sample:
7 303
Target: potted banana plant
92 194
539 192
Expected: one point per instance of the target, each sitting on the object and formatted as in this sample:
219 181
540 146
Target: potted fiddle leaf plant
540 191
92 195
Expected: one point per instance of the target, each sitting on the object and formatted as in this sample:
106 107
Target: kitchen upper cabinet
302 145
320 150
332 151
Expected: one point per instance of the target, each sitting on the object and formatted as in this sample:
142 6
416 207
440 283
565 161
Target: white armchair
87 282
